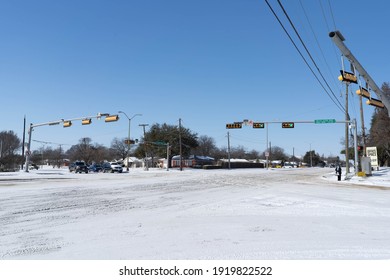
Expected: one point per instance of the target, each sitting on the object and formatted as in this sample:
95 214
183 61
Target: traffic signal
112 118
86 121
67 123
347 77
258 125
360 148
288 125
375 102
363 92
371 101
234 125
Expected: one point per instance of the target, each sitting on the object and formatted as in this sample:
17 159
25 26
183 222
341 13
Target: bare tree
206 146
277 153
120 148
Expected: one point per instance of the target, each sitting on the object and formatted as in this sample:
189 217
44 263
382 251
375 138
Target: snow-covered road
194 214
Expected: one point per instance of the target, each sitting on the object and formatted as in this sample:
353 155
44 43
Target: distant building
192 161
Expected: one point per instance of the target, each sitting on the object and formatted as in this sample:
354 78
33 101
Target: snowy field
275 214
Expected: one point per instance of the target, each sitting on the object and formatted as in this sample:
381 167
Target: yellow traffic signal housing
86 121
112 118
67 123
258 125
288 125
347 77
371 101
363 92
233 125
375 102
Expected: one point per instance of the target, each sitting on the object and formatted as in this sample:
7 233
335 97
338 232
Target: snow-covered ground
194 214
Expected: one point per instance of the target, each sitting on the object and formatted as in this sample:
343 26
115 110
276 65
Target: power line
331 13
308 52
340 106
318 44
327 26
51 143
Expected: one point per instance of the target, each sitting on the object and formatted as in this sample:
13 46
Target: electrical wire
334 80
338 104
308 52
327 26
51 143
331 12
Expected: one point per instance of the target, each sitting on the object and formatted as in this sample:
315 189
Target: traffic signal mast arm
66 123
338 40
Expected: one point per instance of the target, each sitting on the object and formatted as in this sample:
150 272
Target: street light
128 142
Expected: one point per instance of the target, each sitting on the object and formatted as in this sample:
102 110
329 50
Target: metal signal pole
180 148
339 39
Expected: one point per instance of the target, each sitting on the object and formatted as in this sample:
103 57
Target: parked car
78 167
112 167
95 167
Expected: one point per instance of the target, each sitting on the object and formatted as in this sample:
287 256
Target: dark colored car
95 168
78 167
106 167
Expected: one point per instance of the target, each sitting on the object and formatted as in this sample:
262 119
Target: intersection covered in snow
287 214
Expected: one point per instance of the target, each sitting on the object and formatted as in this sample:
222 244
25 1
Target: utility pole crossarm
338 39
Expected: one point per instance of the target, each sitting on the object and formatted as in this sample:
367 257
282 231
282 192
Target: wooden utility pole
346 130
228 136
145 146
363 127
180 148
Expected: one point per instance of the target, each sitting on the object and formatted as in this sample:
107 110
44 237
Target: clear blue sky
208 62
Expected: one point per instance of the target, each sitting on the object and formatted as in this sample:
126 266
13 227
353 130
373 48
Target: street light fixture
128 139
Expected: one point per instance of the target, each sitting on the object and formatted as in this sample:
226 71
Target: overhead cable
338 104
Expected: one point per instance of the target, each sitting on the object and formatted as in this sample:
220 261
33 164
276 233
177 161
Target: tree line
379 134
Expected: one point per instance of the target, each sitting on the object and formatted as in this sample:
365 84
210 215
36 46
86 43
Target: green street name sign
325 121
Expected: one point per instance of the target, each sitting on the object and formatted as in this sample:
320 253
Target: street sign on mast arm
338 40
325 121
